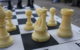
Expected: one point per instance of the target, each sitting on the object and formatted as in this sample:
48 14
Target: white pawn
9 24
52 21
40 33
5 38
29 25
65 30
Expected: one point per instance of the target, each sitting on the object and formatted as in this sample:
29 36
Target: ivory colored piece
40 33
38 22
29 25
5 38
38 11
1 5
65 30
9 24
52 21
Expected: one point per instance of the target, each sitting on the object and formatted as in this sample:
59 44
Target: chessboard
23 41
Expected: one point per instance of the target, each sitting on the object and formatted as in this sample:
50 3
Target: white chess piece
9 24
29 25
38 11
52 21
40 33
38 22
65 30
5 38
1 5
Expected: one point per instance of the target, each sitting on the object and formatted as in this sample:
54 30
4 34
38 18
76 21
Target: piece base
28 28
11 28
38 38
52 24
65 36
6 44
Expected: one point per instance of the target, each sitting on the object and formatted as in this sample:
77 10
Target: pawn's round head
67 11
52 10
8 14
28 12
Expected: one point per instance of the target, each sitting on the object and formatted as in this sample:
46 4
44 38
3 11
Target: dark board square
20 8
23 21
29 44
9 9
15 31
32 8
14 17
54 27
21 12
33 20
35 15
13 10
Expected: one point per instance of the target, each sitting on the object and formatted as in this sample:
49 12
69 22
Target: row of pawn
40 33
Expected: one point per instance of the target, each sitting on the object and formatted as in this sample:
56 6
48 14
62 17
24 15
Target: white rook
65 30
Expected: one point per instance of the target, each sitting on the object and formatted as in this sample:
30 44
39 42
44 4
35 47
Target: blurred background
58 4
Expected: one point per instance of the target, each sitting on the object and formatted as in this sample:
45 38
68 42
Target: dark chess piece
30 3
76 3
9 5
19 5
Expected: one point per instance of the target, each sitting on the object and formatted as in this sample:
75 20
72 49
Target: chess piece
38 22
19 5
40 33
28 25
30 3
1 5
5 38
65 27
9 24
9 5
38 11
52 22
